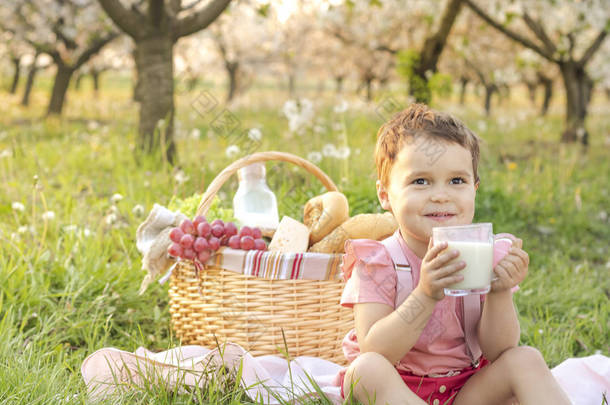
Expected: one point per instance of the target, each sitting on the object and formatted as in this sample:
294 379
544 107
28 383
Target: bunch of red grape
198 239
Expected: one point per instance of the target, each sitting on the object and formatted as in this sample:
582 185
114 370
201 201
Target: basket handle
222 177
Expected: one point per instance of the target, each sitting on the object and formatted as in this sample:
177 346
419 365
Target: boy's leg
519 373
376 381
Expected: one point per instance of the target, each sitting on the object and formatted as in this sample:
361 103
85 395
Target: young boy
427 176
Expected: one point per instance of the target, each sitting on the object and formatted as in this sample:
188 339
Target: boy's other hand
512 269
437 272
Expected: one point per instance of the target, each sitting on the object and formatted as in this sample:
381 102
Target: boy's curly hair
417 120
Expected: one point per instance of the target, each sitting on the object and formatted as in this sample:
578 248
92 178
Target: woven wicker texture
252 311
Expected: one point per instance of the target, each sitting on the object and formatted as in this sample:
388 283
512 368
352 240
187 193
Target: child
409 345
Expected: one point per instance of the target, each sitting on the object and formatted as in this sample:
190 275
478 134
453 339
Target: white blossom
195 133
232 151
6 153
341 107
180 178
17 206
255 134
116 198
314 157
138 210
48 216
343 152
329 150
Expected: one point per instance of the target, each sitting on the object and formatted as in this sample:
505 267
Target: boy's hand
512 269
436 271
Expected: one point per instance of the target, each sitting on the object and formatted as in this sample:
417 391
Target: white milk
478 257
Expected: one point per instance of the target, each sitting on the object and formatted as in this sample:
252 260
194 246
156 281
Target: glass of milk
475 242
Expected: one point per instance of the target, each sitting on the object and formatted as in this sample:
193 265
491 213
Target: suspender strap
471 315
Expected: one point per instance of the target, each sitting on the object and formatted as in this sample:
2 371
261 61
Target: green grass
68 285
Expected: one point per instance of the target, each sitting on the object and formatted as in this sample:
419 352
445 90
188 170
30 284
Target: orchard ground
70 271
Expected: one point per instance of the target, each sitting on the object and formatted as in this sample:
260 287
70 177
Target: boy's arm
392 333
499 327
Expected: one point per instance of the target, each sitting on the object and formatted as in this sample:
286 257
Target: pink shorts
437 390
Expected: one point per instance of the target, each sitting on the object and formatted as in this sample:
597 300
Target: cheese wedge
291 236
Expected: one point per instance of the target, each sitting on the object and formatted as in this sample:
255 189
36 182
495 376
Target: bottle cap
254 170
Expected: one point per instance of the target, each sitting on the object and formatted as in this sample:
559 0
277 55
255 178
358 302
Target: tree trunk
578 87
60 88
25 100
490 89
16 74
547 84
292 84
369 89
531 91
95 75
232 72
463 83
155 92
431 52
78 80
339 84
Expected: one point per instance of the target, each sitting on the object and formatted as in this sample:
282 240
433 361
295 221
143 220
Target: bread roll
324 213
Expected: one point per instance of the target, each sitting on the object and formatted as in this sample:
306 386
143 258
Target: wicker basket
252 311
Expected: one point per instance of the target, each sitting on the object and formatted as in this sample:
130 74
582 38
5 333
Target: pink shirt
370 277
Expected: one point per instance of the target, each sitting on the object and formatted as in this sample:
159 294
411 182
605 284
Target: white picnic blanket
585 379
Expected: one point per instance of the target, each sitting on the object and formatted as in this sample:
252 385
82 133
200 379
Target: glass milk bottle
254 204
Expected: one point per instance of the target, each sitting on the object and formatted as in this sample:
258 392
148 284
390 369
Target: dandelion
22 229
511 165
48 216
6 153
255 134
314 157
92 125
329 150
196 133
70 228
138 210
86 232
540 331
232 151
180 178
343 152
299 113
341 107
111 218
17 206
482 125
116 198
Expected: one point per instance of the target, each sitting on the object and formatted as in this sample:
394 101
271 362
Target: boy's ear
382 195
476 185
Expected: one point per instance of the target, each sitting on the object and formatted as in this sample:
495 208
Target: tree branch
538 30
94 48
508 32
593 48
201 19
127 21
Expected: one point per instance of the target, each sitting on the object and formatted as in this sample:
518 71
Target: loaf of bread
369 226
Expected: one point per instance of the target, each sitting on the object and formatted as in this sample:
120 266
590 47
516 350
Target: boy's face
423 193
